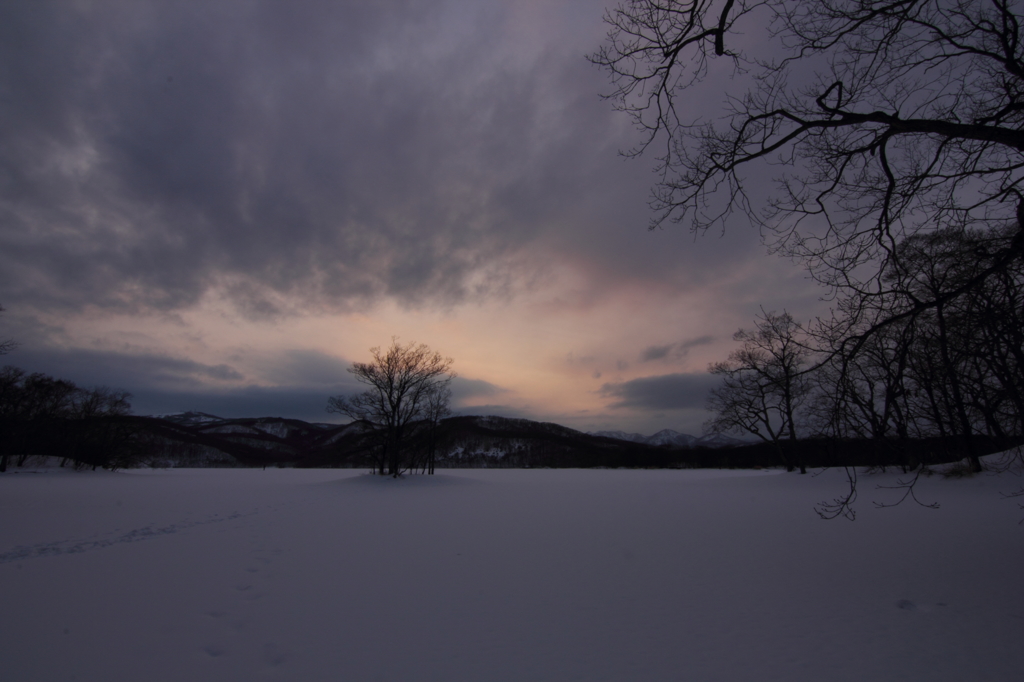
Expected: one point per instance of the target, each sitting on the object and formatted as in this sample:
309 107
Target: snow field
503 575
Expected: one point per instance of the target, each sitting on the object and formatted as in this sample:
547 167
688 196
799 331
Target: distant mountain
255 430
672 439
663 438
200 439
621 435
505 442
190 418
195 439
718 440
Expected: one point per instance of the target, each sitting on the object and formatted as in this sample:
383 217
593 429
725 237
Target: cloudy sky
220 205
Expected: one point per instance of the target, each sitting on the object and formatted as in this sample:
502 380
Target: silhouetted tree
764 384
438 407
407 387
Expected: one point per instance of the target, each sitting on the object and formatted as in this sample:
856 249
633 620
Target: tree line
953 371
41 415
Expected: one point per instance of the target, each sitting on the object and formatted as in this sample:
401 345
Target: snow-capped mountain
190 418
621 435
718 440
665 437
672 439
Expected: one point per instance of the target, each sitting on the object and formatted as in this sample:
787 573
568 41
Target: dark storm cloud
122 370
251 401
310 158
656 353
699 341
320 152
161 385
665 392
674 351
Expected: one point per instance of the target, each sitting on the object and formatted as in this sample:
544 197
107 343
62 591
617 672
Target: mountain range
201 439
670 438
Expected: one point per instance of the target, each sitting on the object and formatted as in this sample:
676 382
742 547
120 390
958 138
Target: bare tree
438 407
763 385
407 385
878 120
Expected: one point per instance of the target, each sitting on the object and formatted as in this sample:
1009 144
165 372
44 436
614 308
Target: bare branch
407 384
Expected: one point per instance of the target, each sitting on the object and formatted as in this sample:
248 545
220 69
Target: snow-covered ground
518 575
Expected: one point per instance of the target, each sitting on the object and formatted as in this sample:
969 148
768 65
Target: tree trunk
958 400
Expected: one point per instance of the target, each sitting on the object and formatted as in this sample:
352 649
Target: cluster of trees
953 370
764 385
894 133
949 376
409 393
41 415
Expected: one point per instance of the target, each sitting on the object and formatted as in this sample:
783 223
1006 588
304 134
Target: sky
219 206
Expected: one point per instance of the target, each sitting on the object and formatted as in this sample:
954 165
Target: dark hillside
203 440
